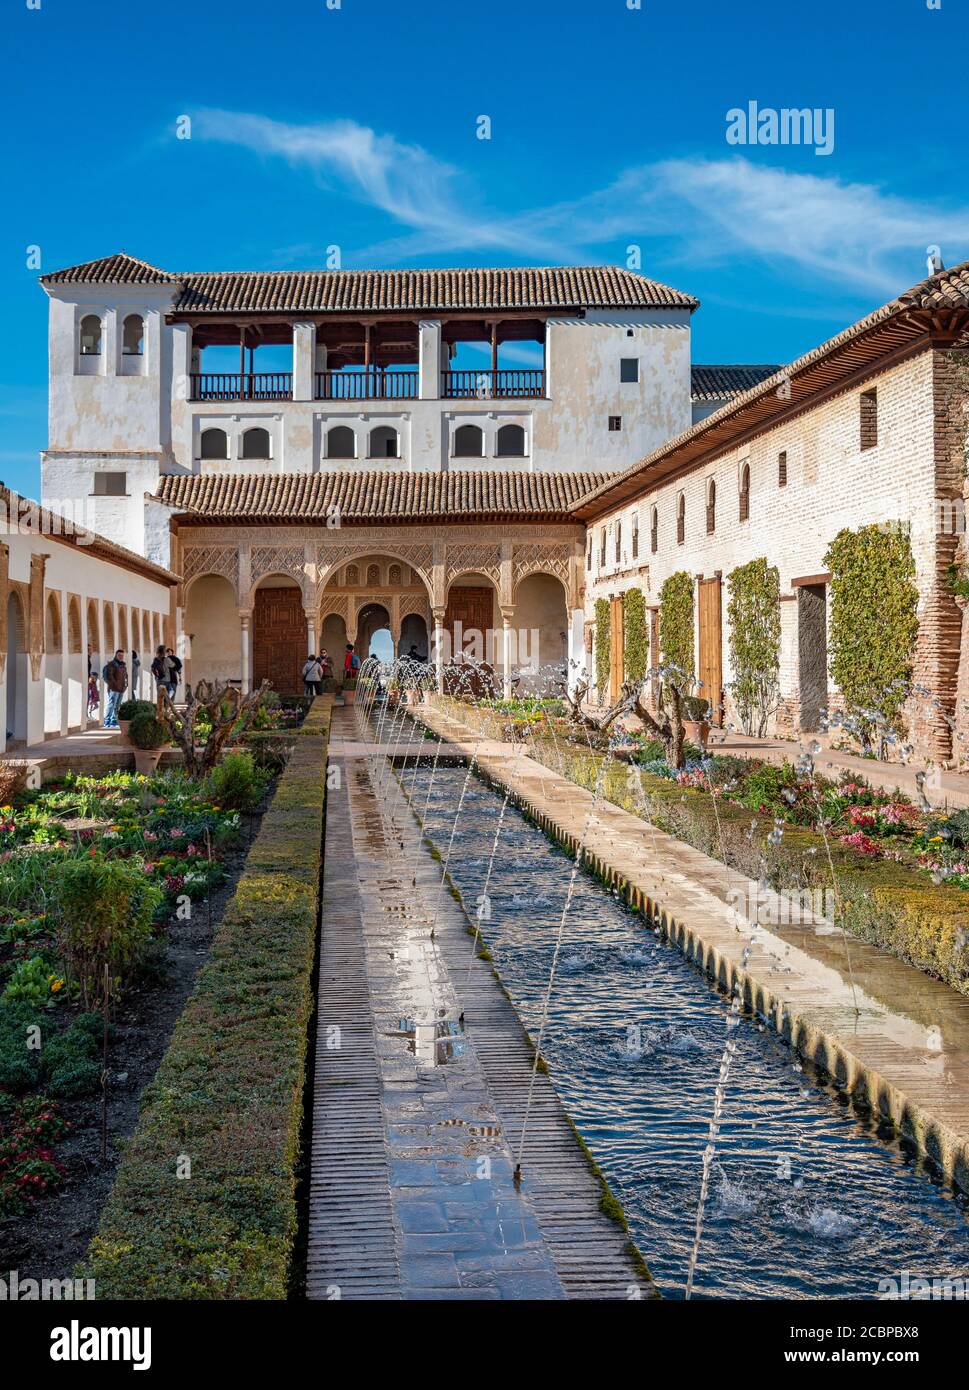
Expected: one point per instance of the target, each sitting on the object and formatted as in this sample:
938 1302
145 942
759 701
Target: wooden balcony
508 383
376 384
242 386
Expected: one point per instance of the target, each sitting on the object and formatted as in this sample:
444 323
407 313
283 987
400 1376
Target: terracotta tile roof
374 291
120 269
934 310
720 383
373 496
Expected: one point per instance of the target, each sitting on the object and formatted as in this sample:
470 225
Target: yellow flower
935 839
56 985
6 808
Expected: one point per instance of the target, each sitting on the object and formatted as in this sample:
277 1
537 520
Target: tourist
93 693
175 668
326 666
162 671
135 673
312 676
351 663
116 682
414 654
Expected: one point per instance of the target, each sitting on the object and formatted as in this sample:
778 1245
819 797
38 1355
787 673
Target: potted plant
696 720
149 737
349 689
130 709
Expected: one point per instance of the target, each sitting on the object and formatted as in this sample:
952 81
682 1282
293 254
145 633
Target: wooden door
279 639
617 648
710 670
473 608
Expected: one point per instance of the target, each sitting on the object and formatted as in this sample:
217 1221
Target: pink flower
859 841
176 834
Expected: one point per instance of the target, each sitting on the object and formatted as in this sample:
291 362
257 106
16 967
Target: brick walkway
422 1071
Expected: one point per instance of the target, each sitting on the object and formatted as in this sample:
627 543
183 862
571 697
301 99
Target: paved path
886 1030
421 1078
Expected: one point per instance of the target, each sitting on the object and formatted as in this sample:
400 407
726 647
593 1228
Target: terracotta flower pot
696 731
124 725
147 759
349 696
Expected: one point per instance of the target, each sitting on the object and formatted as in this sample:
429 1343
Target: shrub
636 654
236 783
130 709
955 828
28 1127
754 616
33 982
148 732
676 622
874 622
603 652
105 909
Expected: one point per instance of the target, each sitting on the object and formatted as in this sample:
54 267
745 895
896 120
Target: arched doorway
471 620
413 633
54 663
279 635
212 624
541 629
373 633
16 670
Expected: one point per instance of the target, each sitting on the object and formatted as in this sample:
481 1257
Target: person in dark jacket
116 683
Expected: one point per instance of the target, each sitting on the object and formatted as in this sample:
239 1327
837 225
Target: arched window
255 443
510 442
90 336
353 575
133 336
680 519
373 574
384 443
74 627
394 575
468 442
52 625
654 530
711 506
341 443
214 444
745 492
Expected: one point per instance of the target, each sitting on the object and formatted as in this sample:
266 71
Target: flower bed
204 1205
900 874
96 873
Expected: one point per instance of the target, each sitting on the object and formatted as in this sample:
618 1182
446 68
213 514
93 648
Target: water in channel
806 1199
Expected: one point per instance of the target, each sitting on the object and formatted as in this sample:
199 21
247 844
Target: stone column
245 615
438 614
304 361
310 631
429 359
507 617
577 657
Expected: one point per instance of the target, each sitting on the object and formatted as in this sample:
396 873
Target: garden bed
188 853
896 874
204 1205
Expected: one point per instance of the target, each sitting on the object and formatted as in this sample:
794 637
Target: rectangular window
588 556
654 532
602 549
629 369
615 423
110 484
635 537
869 419
782 468
618 541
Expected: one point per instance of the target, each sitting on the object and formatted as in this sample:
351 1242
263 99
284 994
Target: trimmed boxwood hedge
228 1095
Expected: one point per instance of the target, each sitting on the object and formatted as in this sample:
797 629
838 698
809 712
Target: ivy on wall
874 621
754 617
636 653
603 646
676 622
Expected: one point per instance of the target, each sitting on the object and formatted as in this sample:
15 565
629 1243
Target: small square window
782 468
629 369
615 423
110 484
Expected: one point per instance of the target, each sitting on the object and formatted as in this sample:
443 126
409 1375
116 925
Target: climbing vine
676 622
603 645
754 616
874 622
636 654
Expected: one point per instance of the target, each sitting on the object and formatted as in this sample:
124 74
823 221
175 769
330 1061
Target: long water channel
806 1199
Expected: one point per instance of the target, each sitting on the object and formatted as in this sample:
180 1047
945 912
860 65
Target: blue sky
356 127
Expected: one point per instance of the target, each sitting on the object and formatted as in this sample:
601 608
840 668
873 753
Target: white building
68 597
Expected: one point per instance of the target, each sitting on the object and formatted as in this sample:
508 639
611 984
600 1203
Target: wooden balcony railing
514 382
377 384
242 386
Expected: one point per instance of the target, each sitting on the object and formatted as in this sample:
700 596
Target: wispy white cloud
695 211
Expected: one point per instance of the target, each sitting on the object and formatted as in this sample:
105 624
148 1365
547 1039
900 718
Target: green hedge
229 1091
